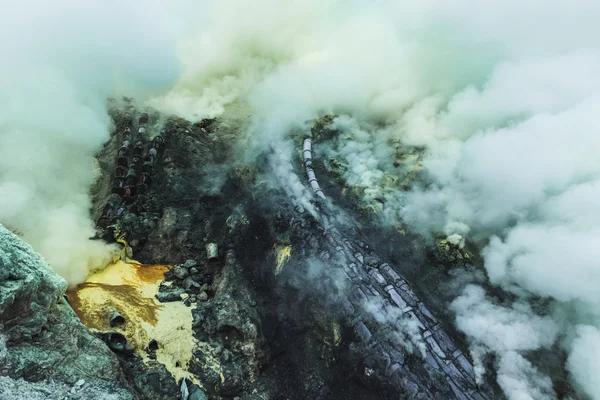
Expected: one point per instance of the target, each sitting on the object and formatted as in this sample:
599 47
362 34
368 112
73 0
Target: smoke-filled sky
60 61
503 95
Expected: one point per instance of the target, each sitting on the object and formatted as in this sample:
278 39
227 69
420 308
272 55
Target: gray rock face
65 349
196 393
28 288
11 389
44 338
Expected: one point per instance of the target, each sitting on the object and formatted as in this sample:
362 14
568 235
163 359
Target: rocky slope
46 351
262 304
289 298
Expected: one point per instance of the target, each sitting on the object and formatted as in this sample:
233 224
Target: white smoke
285 176
583 360
520 380
60 60
502 328
525 179
504 97
405 331
506 331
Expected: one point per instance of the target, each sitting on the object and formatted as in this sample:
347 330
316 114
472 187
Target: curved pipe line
390 292
310 172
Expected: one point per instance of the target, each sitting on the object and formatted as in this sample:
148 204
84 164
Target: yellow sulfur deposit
129 288
283 253
337 333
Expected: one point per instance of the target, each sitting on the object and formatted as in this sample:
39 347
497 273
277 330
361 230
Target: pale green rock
45 350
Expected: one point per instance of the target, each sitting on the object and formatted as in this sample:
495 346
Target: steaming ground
503 95
60 62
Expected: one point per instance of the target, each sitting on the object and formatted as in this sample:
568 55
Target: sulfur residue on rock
130 290
283 254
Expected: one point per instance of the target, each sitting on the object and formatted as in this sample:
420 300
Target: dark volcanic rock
229 324
189 264
189 283
265 328
196 393
150 379
180 272
116 319
165 297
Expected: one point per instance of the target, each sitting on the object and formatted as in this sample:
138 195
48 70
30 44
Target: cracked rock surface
45 349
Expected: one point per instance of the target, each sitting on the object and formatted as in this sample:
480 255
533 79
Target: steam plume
60 62
503 95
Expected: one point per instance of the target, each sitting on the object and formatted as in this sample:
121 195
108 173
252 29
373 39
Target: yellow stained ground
129 288
283 254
